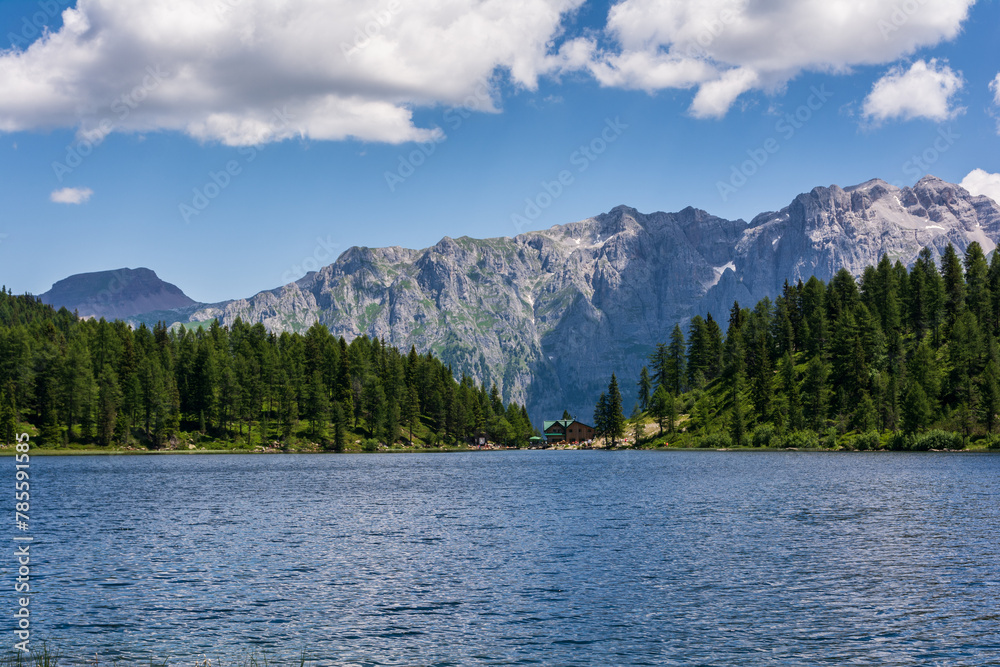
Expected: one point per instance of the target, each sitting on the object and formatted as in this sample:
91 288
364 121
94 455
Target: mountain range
549 315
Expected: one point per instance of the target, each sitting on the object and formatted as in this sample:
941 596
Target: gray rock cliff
549 315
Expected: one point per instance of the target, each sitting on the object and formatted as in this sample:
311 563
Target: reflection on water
583 558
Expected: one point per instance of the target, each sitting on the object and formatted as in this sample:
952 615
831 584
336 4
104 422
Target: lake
521 557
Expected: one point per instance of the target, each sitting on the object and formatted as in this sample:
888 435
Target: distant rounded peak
931 183
871 184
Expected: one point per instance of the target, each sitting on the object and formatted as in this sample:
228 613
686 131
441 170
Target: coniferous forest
79 381
901 359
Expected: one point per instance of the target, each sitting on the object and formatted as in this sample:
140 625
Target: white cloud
247 71
727 47
923 91
980 182
71 195
995 87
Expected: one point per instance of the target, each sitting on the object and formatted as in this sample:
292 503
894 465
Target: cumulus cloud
71 195
923 91
248 71
726 47
980 182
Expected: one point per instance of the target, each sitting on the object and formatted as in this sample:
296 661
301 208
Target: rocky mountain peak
548 315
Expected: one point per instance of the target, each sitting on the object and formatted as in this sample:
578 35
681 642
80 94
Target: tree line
106 383
898 351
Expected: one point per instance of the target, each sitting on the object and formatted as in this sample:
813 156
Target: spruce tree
916 409
601 414
790 392
989 390
635 420
645 386
615 418
339 431
658 406
977 284
8 421
713 336
675 366
815 392
954 285
317 407
864 417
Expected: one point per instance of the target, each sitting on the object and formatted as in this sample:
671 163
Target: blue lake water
547 557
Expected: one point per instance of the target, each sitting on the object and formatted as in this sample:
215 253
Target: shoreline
454 450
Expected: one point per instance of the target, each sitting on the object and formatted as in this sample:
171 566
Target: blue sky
246 148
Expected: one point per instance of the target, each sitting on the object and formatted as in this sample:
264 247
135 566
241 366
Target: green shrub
938 440
715 441
799 440
867 441
992 441
763 435
369 445
900 441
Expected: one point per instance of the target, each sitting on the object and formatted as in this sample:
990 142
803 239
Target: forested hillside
900 351
104 383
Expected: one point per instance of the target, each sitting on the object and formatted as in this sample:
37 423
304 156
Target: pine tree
601 415
8 420
761 385
675 366
635 420
993 279
697 352
815 392
317 407
339 430
713 335
977 284
954 285
790 391
659 407
615 418
658 360
108 401
989 390
864 417
645 386
916 409
737 420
